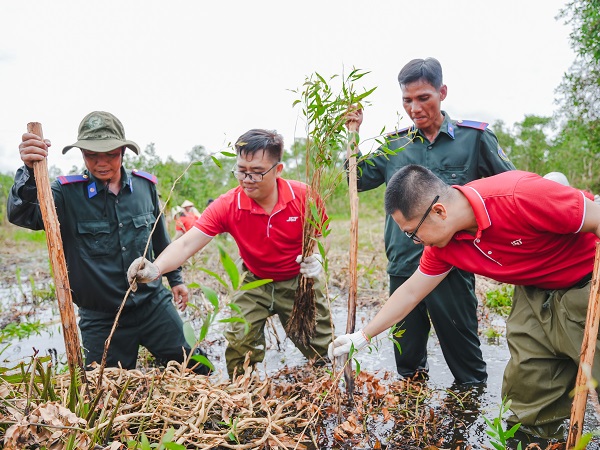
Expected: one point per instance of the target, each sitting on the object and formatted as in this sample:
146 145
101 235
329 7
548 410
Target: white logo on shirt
292 219
517 242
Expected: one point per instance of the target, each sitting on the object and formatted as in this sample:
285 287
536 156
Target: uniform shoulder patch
397 133
69 179
146 175
472 124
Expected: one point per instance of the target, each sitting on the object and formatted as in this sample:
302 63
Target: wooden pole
588 347
353 260
58 263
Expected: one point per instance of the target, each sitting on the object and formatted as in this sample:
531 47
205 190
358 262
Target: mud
28 270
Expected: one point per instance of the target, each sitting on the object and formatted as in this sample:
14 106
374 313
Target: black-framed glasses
255 177
413 235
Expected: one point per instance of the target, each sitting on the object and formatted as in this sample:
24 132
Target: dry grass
292 409
299 407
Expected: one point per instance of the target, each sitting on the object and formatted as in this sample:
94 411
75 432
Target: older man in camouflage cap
106 217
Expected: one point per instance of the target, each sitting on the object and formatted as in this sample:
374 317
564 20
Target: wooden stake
588 347
57 260
353 260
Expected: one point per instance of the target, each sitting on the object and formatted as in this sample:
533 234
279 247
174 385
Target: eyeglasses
413 235
255 177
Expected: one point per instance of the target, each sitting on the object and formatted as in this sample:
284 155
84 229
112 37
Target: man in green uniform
457 152
106 216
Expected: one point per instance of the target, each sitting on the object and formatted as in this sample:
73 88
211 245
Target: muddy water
282 352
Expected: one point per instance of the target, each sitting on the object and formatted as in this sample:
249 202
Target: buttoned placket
269 226
486 253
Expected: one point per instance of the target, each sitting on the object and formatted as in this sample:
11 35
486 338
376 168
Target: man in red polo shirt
517 228
265 216
185 220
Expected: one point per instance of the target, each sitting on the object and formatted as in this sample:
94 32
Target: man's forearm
181 250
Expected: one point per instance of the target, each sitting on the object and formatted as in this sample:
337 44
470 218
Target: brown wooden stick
588 347
57 260
353 261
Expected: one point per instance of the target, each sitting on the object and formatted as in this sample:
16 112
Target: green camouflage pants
544 333
257 305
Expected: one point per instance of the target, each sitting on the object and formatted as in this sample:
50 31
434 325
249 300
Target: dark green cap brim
102 145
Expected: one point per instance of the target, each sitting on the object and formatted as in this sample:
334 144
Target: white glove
311 266
344 343
143 271
597 199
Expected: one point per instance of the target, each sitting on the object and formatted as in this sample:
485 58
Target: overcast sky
185 73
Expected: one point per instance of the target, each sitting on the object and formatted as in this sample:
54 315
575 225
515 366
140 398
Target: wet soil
26 270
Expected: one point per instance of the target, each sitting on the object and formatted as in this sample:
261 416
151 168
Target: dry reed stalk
286 410
301 326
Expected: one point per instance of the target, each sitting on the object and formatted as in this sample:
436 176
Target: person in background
265 216
559 177
106 216
185 219
548 254
458 151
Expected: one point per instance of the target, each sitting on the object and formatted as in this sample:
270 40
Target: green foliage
500 300
528 145
18 234
498 435
570 142
166 442
336 200
579 94
324 104
394 334
233 284
6 182
42 294
18 331
207 176
492 335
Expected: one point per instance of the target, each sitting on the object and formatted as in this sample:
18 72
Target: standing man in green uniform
106 216
457 152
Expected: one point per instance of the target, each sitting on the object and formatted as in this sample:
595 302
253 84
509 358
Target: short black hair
411 190
255 140
429 70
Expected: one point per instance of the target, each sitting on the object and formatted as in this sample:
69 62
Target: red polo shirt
268 244
528 233
185 222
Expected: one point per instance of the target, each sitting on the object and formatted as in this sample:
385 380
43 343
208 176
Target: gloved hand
342 344
311 266
143 271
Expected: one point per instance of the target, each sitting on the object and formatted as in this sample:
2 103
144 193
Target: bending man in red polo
517 228
265 216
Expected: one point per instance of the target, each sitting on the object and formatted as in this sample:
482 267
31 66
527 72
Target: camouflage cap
101 131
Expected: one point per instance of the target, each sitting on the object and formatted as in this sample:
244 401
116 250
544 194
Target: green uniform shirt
102 233
462 152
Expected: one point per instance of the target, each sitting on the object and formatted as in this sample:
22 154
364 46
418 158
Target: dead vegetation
294 408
